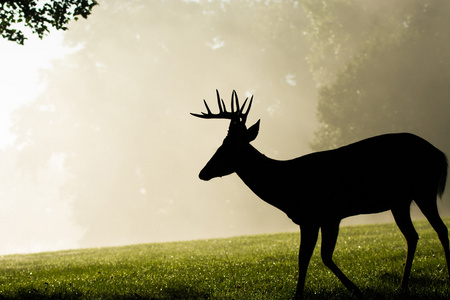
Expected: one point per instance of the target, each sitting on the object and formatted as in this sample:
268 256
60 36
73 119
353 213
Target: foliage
249 267
385 70
40 16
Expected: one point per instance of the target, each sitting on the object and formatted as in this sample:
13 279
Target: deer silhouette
318 190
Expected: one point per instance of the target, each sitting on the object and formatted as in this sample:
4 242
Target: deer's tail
443 163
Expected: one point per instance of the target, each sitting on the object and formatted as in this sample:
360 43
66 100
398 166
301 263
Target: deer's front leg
330 231
308 241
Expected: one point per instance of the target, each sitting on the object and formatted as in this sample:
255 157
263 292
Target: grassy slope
250 267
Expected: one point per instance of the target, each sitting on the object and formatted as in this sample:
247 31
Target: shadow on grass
369 294
420 288
32 293
168 293
181 293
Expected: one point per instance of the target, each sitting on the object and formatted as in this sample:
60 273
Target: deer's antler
223 113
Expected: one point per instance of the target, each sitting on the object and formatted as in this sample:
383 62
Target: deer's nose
204 176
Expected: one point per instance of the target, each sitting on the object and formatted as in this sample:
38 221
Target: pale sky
19 78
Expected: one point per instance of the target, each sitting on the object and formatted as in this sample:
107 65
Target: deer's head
238 138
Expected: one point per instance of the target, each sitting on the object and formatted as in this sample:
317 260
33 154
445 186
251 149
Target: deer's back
368 176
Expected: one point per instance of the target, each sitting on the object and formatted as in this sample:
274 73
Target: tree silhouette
39 16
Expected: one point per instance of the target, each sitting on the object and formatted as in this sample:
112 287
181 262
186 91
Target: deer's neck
266 177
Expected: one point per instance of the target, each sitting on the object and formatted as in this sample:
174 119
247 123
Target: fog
102 151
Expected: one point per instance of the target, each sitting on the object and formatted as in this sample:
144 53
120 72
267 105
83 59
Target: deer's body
370 176
318 190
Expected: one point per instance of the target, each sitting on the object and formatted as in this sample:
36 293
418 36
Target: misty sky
114 154
30 223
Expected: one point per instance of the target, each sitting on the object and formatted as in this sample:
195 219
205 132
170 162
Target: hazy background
101 149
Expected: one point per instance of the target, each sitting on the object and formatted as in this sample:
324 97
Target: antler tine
249 105
218 102
207 108
235 99
232 103
204 115
244 115
243 105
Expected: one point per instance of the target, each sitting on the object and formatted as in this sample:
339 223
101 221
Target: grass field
249 267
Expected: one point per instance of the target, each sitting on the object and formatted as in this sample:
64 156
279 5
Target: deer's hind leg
402 216
428 206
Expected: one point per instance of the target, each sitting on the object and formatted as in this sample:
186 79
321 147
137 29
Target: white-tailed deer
318 190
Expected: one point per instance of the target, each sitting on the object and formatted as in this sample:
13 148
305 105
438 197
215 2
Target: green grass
249 267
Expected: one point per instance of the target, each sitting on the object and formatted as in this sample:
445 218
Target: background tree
39 16
393 74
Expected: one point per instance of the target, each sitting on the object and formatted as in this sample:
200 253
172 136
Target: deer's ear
252 132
